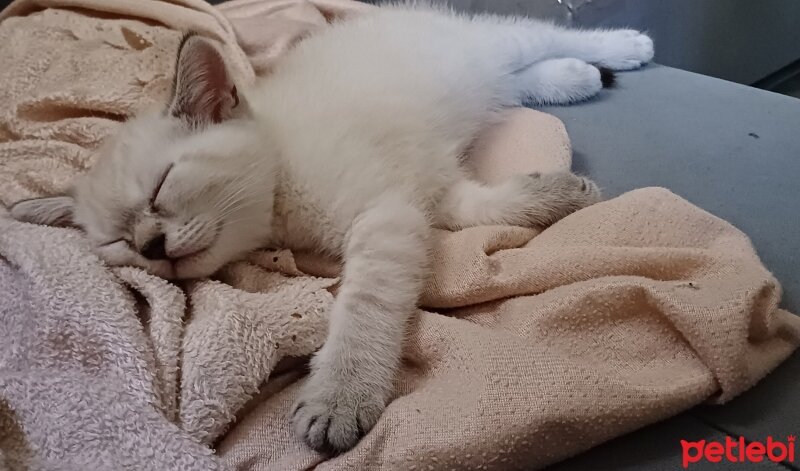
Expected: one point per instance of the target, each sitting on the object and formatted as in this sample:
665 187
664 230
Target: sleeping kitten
350 148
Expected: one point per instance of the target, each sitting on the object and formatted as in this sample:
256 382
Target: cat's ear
51 211
203 91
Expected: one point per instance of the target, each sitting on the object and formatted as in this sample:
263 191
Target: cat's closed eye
157 190
115 241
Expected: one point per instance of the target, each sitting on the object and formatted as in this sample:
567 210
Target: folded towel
529 347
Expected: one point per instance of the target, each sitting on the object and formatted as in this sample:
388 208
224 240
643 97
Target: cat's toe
590 191
557 195
567 189
576 192
643 49
626 49
330 420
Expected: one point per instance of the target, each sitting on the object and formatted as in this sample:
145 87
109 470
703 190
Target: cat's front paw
625 49
557 195
332 414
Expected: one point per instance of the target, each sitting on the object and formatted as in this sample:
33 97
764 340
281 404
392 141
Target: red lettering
687 447
742 446
730 445
714 452
755 452
774 445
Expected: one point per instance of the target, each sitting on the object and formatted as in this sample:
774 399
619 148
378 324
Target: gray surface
768 409
695 135
738 40
790 87
731 149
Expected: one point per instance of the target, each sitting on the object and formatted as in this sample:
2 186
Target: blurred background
745 41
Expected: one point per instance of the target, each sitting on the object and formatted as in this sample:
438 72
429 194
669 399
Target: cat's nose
155 248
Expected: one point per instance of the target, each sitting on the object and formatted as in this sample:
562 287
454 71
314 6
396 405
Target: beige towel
544 345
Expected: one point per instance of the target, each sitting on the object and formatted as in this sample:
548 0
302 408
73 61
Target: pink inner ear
204 90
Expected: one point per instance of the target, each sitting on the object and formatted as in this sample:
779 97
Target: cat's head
179 192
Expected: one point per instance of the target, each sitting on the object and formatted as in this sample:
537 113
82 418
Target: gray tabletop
730 149
734 151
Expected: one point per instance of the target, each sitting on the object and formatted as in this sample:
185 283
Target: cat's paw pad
625 49
333 419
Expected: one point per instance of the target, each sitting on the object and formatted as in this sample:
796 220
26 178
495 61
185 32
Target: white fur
351 148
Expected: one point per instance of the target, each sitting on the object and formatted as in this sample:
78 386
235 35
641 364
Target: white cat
351 148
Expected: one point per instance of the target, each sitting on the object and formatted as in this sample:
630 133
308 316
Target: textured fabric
267 28
103 369
731 150
98 366
69 76
622 314
727 148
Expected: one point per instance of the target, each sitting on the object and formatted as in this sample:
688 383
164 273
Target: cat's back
371 105
410 69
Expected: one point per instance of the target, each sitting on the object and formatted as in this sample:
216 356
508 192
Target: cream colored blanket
530 347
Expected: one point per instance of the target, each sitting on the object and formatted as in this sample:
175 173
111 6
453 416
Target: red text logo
738 451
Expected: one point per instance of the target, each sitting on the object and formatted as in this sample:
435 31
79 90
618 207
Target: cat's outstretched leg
561 81
531 41
524 200
352 375
621 49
